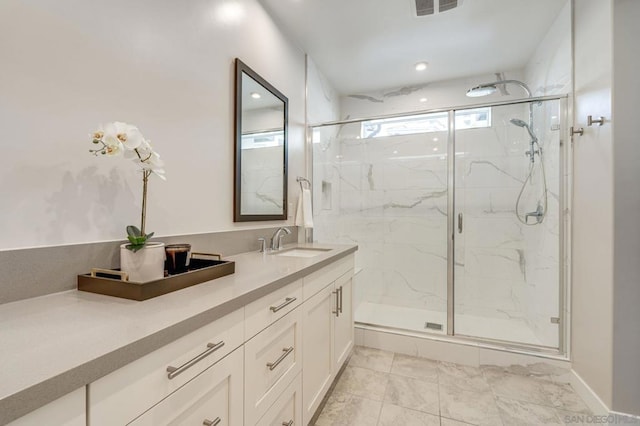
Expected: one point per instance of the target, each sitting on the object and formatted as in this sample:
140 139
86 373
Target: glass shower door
383 184
508 179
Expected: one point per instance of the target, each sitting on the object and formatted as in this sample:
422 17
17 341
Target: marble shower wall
388 195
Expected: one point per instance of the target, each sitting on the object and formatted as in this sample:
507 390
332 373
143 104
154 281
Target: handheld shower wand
534 140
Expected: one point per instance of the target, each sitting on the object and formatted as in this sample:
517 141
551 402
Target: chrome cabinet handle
287 301
175 371
215 422
340 299
273 365
289 423
459 223
337 311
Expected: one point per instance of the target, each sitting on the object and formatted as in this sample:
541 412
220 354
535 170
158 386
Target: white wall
549 69
626 249
592 247
165 66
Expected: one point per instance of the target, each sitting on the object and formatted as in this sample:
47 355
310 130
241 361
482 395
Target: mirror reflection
261 148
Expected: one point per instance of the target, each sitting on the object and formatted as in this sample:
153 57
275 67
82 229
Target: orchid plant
119 139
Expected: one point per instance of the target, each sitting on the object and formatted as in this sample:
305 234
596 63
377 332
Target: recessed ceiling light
421 66
423 99
255 95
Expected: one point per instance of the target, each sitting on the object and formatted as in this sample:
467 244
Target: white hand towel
304 213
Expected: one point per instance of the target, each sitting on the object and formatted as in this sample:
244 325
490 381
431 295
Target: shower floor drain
433 326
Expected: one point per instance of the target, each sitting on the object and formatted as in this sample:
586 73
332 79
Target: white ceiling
363 45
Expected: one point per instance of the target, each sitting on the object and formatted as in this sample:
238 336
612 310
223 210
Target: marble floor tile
416 367
412 393
563 397
363 382
393 415
519 387
578 419
462 376
374 359
518 413
346 409
478 408
450 422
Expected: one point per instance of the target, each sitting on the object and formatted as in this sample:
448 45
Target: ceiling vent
431 7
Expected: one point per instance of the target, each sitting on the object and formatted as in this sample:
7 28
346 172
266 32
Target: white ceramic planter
147 264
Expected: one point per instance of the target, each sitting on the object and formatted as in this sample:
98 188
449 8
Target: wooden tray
110 282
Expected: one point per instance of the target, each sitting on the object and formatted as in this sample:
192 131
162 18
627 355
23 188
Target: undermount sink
303 252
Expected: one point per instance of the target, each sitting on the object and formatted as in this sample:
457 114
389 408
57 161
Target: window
425 123
262 139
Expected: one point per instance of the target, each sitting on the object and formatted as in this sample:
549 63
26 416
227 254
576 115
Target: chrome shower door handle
459 223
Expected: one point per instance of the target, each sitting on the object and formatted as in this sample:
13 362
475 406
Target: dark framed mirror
261 136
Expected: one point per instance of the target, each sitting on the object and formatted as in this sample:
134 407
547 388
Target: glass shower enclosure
457 215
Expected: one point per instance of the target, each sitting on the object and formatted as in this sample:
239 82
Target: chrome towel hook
591 121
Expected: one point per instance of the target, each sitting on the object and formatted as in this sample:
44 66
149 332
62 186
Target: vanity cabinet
327 321
270 362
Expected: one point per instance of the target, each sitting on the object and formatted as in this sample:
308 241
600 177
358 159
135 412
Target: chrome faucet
276 240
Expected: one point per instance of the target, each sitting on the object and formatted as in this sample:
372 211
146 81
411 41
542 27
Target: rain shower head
482 90
521 123
490 88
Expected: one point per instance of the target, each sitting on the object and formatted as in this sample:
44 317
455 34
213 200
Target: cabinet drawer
213 397
287 410
126 393
272 360
318 280
273 306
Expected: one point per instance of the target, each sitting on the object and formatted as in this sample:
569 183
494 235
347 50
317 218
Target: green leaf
133 231
149 235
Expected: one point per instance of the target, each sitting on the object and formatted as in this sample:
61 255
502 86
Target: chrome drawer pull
289 423
274 364
208 422
287 301
175 371
340 299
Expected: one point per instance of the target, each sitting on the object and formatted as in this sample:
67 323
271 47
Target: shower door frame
564 228
565 193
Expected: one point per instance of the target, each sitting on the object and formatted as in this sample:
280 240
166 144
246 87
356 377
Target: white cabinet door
66 411
213 397
317 349
344 320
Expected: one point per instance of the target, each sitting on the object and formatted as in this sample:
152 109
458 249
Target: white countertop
54 344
